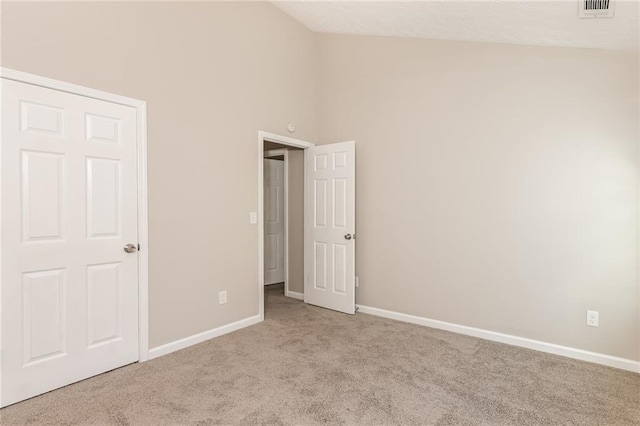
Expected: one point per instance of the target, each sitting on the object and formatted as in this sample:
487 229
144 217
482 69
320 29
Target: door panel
273 221
330 219
320 266
42 182
103 313
41 118
44 315
69 205
103 195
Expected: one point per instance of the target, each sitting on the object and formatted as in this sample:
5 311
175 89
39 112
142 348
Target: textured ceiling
540 23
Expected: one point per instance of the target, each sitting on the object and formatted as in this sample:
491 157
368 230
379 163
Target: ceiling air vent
595 8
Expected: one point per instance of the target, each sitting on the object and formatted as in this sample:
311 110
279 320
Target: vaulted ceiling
541 23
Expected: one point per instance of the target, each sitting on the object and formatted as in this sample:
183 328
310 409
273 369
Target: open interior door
330 192
69 284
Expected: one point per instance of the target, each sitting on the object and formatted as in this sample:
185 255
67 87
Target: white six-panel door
273 221
69 206
330 226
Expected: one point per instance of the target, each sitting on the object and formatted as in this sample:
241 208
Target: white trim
143 237
202 337
143 226
597 358
286 221
638 239
260 214
305 231
295 295
63 86
284 140
1 133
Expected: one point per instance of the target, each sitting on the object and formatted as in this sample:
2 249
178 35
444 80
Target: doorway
283 220
328 222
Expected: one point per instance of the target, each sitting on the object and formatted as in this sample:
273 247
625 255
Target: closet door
69 238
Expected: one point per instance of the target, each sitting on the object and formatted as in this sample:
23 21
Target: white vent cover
595 8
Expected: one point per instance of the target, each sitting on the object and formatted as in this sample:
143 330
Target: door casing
282 140
141 137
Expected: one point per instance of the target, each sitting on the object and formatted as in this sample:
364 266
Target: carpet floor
306 365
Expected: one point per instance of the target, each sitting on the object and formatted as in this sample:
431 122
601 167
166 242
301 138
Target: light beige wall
497 185
296 220
213 74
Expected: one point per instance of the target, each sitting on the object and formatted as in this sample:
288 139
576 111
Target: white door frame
143 229
283 140
284 153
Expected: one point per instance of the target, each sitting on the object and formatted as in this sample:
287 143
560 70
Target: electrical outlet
222 297
357 282
253 218
592 318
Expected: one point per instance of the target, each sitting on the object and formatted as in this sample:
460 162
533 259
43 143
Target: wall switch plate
222 297
253 218
592 318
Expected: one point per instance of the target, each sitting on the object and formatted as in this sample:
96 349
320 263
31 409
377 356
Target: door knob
130 248
348 237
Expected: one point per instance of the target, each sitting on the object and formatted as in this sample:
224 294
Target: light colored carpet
307 365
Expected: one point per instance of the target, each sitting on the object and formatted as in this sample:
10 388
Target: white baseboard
597 358
201 337
295 295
